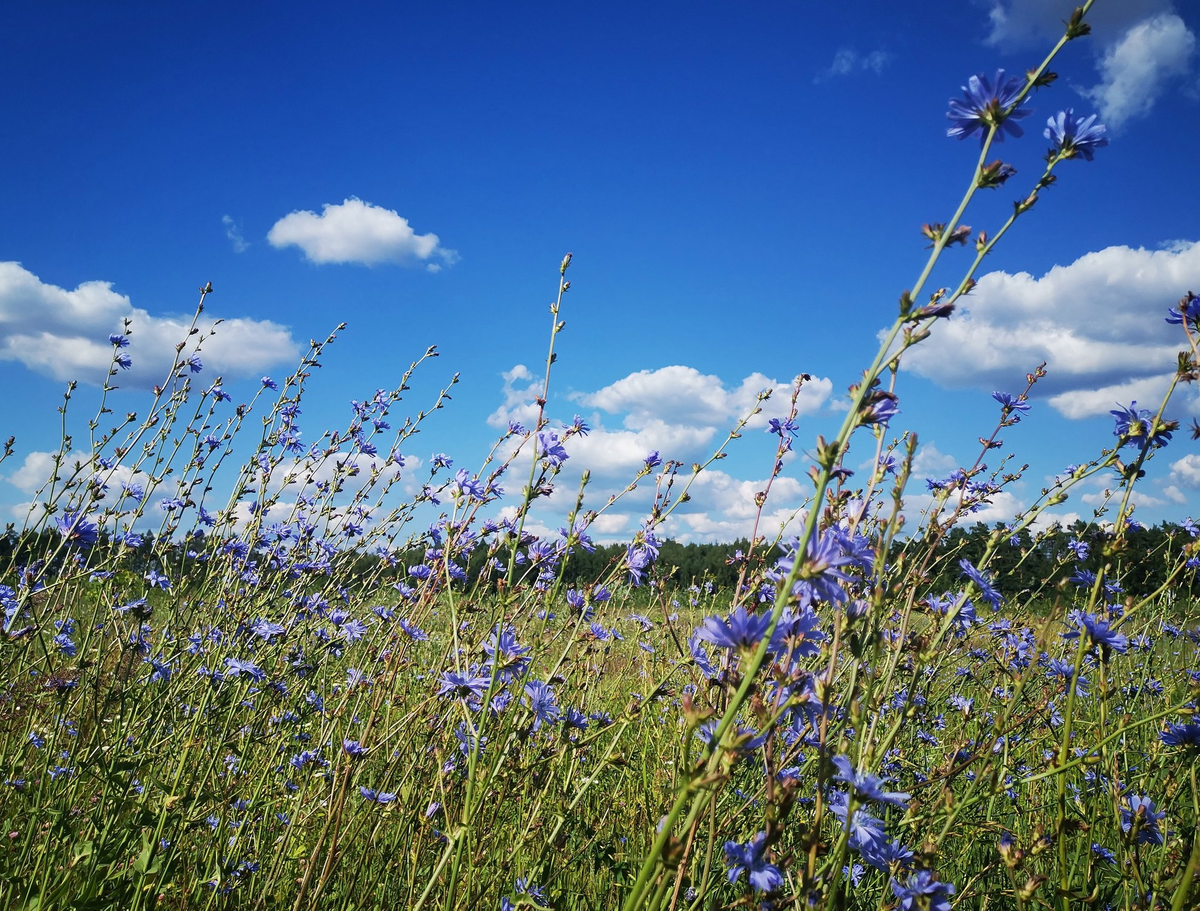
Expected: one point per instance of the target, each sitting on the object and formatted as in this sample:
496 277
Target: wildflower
465 685
1098 632
157 580
1182 735
353 748
510 658
372 796
268 383
1139 820
922 891
1009 403
763 876
1072 136
119 341
542 703
867 785
466 486
1138 423
550 449
980 578
78 529
739 630
988 105
653 460
237 667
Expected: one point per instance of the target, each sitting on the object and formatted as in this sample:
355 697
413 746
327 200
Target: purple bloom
1072 136
373 796
1182 735
763 876
1010 403
464 685
550 449
986 590
237 667
986 105
1136 423
542 703
119 341
78 529
922 891
1140 819
739 630
1098 632
867 785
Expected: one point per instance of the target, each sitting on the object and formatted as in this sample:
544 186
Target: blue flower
542 703
237 667
1072 136
1135 423
763 876
1139 820
922 891
986 105
1010 403
77 528
463 685
1098 632
373 796
1182 735
739 630
867 786
986 590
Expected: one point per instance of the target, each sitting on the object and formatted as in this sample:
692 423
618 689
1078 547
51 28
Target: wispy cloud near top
847 61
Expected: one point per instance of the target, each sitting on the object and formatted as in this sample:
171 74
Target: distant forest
1141 563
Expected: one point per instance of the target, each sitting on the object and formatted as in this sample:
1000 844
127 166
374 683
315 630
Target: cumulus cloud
234 232
64 334
1142 46
1137 69
1016 24
1186 472
359 232
1097 323
684 395
847 61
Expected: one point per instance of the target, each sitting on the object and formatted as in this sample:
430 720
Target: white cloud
1175 495
847 61
931 462
358 232
1185 472
519 404
35 470
1097 323
684 395
64 334
1016 24
234 232
1136 69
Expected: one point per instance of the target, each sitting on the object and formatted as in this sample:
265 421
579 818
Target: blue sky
742 187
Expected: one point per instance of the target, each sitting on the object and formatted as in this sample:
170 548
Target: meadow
245 670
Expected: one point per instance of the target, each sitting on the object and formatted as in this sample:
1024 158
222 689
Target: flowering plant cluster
273 684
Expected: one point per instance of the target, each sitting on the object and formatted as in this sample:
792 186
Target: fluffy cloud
358 232
684 395
1015 24
1097 323
64 334
1141 46
1136 69
1186 472
847 61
